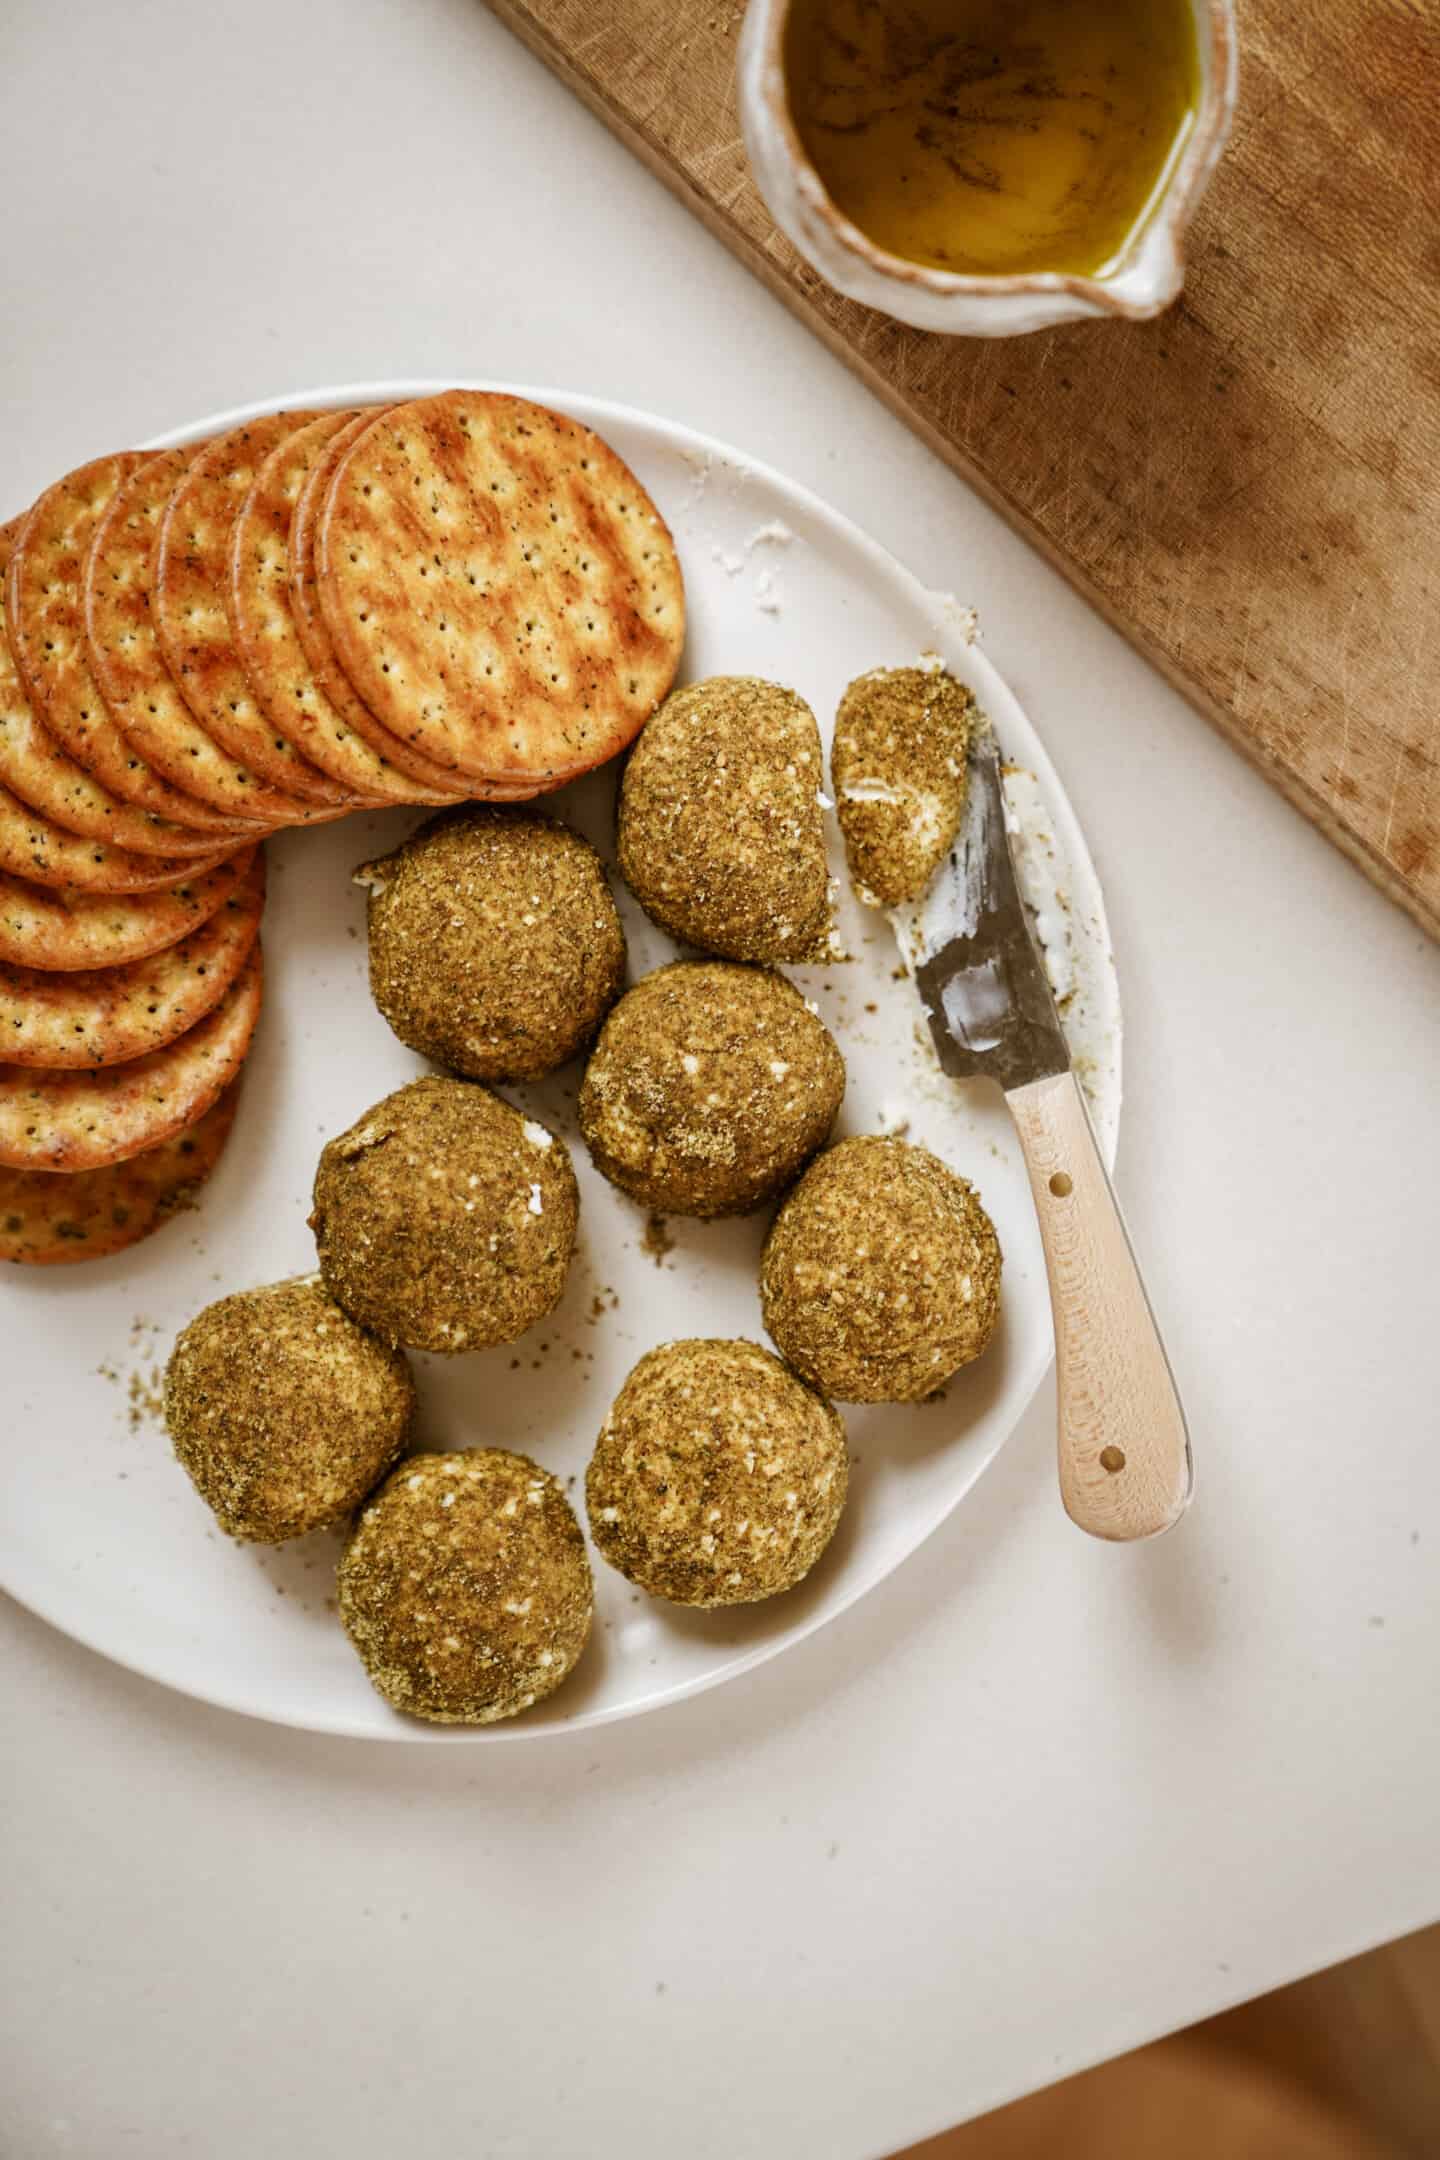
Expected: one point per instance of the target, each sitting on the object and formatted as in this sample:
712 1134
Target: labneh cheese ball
897 764
495 945
720 833
445 1220
718 1477
881 1274
710 1088
465 1587
283 1411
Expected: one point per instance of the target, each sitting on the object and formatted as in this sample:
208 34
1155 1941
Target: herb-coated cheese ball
284 1412
718 1477
710 1088
897 763
465 1587
720 833
445 1220
881 1274
495 946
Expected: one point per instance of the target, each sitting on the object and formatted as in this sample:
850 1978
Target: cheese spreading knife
1125 1468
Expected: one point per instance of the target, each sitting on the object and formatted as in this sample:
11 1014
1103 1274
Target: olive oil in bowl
993 137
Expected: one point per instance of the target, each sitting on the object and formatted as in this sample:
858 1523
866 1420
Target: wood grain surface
1342 2066
1249 487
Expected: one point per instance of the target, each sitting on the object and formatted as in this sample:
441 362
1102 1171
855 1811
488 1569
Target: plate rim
598 411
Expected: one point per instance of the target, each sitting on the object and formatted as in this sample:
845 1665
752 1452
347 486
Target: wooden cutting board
1249 487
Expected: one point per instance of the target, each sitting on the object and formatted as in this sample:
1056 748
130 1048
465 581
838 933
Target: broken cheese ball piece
897 765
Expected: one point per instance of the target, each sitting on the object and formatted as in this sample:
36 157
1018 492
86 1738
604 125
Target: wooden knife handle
1124 1452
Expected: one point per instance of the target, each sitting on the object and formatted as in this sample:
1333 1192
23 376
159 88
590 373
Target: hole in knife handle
1061 1186
1112 1459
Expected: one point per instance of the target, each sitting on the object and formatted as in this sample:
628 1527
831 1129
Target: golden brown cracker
188 603
106 1016
45 597
34 846
267 639
31 847
63 793
443 781
84 1120
130 668
50 1220
61 931
498 587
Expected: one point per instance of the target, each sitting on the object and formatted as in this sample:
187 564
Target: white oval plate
100 1532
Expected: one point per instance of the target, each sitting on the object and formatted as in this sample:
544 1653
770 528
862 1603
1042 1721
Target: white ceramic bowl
1145 280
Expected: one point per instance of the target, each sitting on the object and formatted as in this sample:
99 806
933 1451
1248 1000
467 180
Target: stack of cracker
463 597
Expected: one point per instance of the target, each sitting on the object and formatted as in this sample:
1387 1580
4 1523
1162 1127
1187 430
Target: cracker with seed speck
33 846
191 576
63 930
45 603
498 587
129 667
35 768
49 1219
267 638
333 683
106 1016
84 1120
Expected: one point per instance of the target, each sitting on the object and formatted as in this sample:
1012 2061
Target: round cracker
441 784
315 638
106 1016
62 792
64 931
84 1120
498 587
129 666
48 1219
267 639
188 604
31 847
45 595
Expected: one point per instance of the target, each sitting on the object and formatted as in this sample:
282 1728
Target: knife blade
969 946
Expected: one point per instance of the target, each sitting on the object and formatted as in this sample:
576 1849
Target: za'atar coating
721 838
284 1412
444 1220
897 763
495 945
881 1274
465 1587
710 1088
718 1477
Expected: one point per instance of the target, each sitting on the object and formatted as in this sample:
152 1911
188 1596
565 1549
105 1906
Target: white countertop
1035 1800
